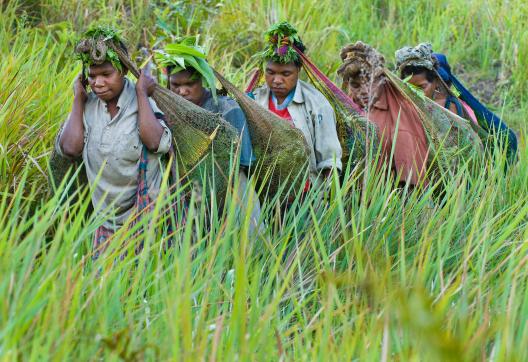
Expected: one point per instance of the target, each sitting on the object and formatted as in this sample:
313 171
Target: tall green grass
348 273
357 270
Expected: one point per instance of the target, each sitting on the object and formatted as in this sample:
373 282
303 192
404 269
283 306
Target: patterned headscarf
361 61
419 56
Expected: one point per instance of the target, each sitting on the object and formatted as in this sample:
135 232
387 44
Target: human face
421 81
358 89
281 78
185 85
106 81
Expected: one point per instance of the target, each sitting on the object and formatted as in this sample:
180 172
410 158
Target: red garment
284 114
411 146
469 111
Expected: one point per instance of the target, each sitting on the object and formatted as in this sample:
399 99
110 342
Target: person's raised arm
150 129
72 136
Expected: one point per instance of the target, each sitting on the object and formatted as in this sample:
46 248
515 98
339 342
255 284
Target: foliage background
371 273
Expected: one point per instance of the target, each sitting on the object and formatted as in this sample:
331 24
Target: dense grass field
356 271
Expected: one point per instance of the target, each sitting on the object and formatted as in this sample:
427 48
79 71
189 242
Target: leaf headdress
93 47
281 38
185 56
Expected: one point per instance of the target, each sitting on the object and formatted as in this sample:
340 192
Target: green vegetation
90 40
358 272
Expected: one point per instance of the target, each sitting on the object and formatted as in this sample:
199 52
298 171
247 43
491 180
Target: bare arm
72 136
150 130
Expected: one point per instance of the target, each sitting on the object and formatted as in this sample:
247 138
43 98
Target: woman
298 102
432 73
403 140
118 131
420 67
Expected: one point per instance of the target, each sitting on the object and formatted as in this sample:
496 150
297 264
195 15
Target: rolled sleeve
166 138
327 147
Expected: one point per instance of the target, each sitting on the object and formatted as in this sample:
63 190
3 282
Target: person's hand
79 88
145 83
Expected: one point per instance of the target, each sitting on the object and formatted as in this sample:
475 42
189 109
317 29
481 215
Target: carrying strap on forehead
491 122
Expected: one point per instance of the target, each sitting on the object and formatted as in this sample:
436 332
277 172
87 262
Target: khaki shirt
314 116
111 153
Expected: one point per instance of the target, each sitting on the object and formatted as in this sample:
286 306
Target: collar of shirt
263 97
285 103
298 96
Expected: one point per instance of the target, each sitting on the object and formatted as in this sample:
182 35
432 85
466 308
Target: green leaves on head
105 32
281 38
184 56
93 47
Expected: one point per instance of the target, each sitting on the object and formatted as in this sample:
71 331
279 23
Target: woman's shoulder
312 96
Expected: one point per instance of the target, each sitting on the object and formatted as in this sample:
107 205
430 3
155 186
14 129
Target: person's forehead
420 77
279 67
182 76
96 68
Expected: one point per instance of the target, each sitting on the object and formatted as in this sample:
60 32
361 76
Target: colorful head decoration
281 39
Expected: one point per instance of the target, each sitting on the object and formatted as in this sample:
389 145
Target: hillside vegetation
361 271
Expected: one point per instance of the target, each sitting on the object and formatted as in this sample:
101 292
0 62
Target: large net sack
281 150
356 133
452 139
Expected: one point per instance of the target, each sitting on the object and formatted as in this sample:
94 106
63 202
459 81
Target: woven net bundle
281 150
452 139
